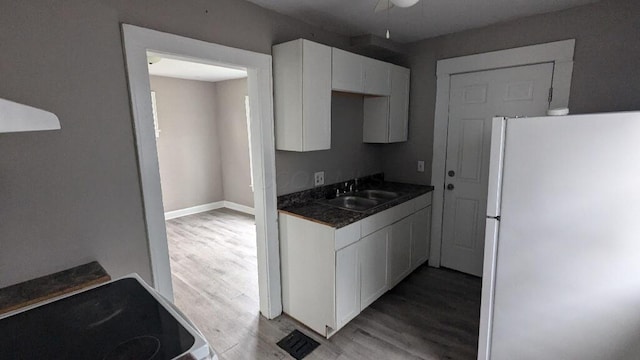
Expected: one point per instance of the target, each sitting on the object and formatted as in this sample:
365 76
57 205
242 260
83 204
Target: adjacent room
276 179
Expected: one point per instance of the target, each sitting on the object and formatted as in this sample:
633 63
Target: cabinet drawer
385 218
377 221
422 201
347 235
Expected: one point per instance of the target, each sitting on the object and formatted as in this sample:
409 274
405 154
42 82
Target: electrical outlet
420 166
318 178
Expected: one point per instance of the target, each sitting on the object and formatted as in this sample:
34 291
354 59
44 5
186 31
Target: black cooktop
118 320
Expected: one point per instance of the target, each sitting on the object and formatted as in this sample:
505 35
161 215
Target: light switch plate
420 165
318 178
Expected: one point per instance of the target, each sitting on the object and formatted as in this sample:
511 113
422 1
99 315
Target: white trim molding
137 41
174 214
560 53
239 207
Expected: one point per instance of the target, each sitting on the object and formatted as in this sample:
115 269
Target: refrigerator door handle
498 136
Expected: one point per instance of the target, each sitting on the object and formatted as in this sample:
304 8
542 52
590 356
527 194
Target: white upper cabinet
399 104
302 95
348 72
386 119
358 74
305 73
376 119
376 77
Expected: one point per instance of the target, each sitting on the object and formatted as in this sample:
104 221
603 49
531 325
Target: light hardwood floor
432 314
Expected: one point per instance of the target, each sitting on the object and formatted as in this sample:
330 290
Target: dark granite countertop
306 204
49 286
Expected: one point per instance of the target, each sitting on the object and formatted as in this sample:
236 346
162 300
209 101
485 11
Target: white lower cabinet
347 284
372 255
399 259
420 233
330 275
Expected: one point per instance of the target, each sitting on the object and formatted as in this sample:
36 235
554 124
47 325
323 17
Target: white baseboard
208 207
241 208
193 210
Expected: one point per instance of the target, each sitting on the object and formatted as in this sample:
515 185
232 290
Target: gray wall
234 141
189 152
606 75
203 148
347 158
72 196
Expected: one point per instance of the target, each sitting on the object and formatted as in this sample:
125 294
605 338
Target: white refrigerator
561 277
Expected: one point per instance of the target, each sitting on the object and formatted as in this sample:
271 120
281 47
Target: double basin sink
361 200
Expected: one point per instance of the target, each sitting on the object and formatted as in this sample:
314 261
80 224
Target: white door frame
559 52
137 41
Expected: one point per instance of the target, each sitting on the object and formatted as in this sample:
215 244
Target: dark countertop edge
49 286
346 217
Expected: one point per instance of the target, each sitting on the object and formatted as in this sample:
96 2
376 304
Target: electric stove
121 319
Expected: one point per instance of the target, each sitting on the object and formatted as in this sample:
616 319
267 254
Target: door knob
452 173
450 187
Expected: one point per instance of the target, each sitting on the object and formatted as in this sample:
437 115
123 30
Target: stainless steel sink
355 203
377 194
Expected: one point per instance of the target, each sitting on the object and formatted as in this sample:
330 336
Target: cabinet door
348 72
399 251
316 96
375 128
372 254
420 234
347 284
399 104
376 77
302 95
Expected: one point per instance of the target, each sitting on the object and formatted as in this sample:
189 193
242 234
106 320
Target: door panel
347 284
399 251
376 77
464 238
372 254
474 99
316 97
399 104
471 150
420 232
347 71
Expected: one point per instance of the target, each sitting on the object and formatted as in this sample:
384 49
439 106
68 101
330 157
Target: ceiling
426 19
188 70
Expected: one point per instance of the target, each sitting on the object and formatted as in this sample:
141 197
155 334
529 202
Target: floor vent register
298 344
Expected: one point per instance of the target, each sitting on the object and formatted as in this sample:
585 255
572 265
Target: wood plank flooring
432 314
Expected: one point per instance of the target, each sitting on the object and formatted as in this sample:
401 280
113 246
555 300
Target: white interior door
474 99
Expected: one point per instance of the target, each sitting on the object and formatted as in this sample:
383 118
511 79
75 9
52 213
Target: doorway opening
201 121
137 42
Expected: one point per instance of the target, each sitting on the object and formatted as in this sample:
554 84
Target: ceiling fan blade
383 5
